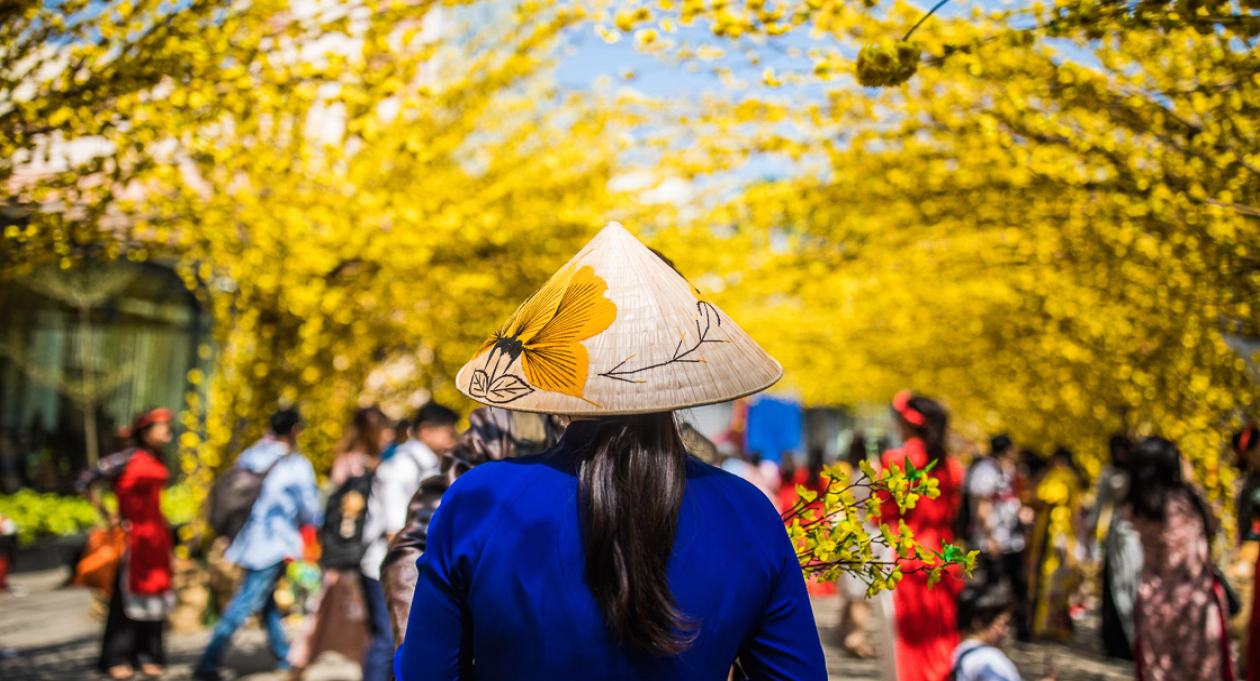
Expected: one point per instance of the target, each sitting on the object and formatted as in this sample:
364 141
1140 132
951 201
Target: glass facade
140 343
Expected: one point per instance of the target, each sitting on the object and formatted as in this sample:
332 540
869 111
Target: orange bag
101 558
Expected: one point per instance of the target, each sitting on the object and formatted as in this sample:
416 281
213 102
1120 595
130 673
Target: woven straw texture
616 331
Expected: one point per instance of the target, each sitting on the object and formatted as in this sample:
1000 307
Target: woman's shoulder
724 491
911 450
506 478
705 475
477 503
1183 502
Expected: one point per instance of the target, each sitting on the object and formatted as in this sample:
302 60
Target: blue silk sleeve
785 645
438 643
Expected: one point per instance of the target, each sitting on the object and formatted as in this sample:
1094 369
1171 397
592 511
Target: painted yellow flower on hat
546 334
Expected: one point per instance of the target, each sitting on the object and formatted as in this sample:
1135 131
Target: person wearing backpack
984 622
340 622
287 499
395 482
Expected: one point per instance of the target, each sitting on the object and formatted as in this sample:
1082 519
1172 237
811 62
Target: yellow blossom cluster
835 533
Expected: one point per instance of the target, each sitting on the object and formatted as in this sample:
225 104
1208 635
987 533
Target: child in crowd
984 622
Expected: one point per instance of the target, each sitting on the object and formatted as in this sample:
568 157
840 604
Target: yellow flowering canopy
1051 224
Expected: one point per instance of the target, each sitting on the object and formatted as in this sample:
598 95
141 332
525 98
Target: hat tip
614 228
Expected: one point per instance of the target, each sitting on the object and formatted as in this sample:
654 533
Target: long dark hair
633 477
1156 471
934 428
366 433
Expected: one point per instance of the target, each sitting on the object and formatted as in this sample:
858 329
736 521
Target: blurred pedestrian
793 507
287 501
1181 614
984 621
808 476
341 622
8 547
492 434
1121 552
394 436
1054 556
142 593
790 475
996 530
855 612
394 483
1246 445
923 616
613 555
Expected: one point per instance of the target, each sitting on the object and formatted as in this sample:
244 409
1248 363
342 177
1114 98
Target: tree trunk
89 385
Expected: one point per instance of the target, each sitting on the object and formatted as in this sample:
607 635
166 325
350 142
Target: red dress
139 492
924 618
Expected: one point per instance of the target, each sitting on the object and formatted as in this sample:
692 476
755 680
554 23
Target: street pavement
49 634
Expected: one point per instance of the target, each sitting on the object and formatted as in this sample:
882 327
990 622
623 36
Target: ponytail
633 477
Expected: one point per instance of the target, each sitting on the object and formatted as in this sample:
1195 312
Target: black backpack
344 517
232 499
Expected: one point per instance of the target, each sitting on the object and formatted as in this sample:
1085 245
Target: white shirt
395 482
986 663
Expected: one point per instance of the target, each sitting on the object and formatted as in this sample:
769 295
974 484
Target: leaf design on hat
507 388
479 384
546 334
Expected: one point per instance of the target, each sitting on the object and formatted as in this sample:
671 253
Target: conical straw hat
616 331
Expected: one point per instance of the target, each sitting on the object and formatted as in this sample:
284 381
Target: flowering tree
1062 248
836 533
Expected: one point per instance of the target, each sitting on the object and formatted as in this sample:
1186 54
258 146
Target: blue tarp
774 426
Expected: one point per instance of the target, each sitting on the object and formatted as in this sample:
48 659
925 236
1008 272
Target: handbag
1231 597
102 556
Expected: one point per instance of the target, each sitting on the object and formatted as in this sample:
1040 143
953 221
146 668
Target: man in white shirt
396 480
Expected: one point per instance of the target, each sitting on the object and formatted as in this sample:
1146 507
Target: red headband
149 418
1244 441
901 402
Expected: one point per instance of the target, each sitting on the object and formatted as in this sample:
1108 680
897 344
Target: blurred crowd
1138 548
1135 547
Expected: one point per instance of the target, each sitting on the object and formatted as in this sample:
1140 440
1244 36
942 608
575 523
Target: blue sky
593 57
589 57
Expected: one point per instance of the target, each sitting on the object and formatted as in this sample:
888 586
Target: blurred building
141 341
